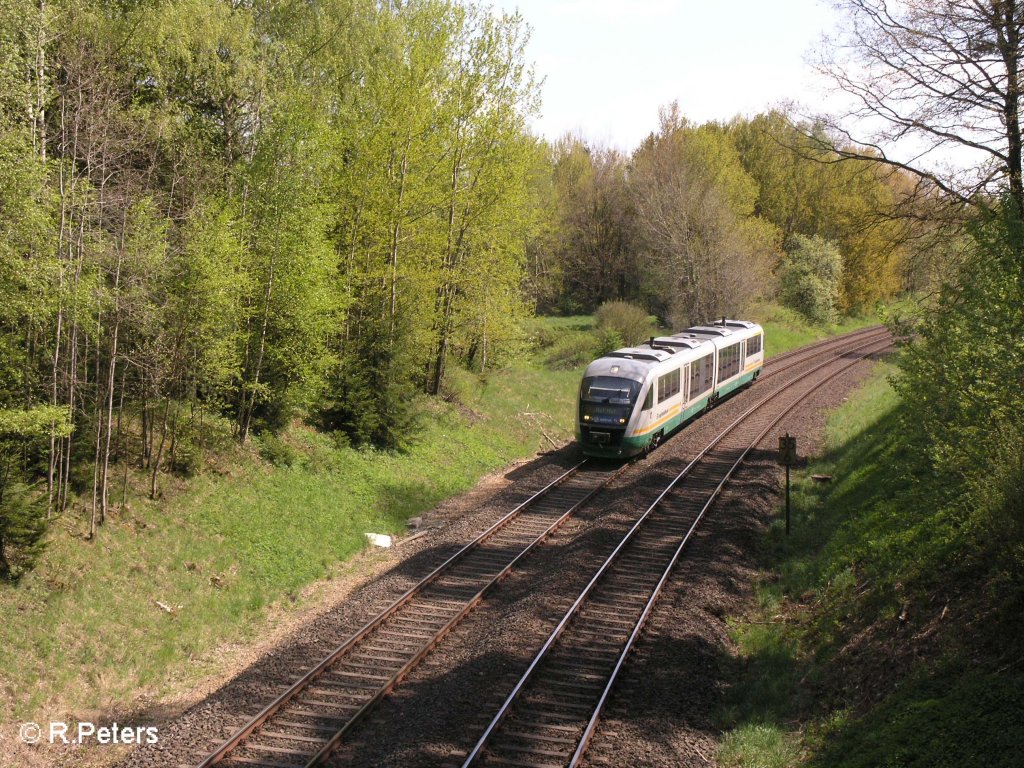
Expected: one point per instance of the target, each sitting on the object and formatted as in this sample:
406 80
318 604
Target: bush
372 398
961 381
186 459
632 324
276 451
22 526
810 277
608 341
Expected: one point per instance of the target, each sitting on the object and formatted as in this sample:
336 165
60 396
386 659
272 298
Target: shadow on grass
946 719
847 641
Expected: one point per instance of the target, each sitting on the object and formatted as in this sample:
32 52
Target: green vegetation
85 630
887 631
810 277
623 324
786 329
89 629
210 214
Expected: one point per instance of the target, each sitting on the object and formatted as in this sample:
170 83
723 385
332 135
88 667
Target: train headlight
622 421
586 417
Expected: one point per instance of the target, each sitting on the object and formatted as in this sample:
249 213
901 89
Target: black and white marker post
787 458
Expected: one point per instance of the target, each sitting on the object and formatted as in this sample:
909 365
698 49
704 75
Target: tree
803 188
706 254
941 75
809 277
592 237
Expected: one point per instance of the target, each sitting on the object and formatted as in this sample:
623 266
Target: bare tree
942 76
703 252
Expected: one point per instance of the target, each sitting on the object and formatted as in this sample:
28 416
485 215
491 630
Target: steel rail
332 744
874 332
302 683
574 608
842 337
634 635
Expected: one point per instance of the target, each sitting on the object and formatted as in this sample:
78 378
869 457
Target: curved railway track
304 724
553 710
307 721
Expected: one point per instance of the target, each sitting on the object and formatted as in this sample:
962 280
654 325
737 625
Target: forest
227 228
221 217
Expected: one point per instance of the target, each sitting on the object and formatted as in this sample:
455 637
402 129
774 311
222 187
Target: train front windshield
607 400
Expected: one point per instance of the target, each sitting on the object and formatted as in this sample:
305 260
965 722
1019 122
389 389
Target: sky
609 65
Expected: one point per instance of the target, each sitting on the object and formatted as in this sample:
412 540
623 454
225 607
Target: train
632 398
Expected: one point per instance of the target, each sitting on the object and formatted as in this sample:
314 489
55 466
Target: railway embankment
180 592
886 629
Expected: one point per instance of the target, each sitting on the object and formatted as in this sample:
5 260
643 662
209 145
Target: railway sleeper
511 732
299 753
240 760
307 726
520 763
570 686
315 714
530 750
291 737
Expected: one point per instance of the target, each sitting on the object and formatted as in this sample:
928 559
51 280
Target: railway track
553 710
802 354
307 721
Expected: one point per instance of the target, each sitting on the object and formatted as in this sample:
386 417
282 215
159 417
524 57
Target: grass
85 633
786 329
864 548
143 612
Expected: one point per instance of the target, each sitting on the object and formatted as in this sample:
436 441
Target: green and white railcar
632 398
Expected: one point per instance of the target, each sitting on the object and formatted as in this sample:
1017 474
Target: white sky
610 64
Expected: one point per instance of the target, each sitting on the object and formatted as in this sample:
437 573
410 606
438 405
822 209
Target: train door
686 383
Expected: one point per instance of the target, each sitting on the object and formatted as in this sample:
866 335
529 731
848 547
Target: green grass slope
141 612
878 640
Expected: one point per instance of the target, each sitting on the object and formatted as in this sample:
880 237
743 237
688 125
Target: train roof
679 340
645 352
707 331
634 362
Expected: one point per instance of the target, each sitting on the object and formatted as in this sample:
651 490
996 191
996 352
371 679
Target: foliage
217 219
914 551
589 250
275 450
965 399
809 277
805 189
370 399
706 254
233 552
941 76
627 321
22 527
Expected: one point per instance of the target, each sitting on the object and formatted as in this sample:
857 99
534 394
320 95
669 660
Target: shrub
22 527
276 451
631 323
609 340
810 276
371 398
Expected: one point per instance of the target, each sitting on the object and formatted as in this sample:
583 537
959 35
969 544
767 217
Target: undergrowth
144 611
883 635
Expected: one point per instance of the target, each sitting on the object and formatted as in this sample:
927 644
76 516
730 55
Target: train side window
754 345
668 385
649 400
